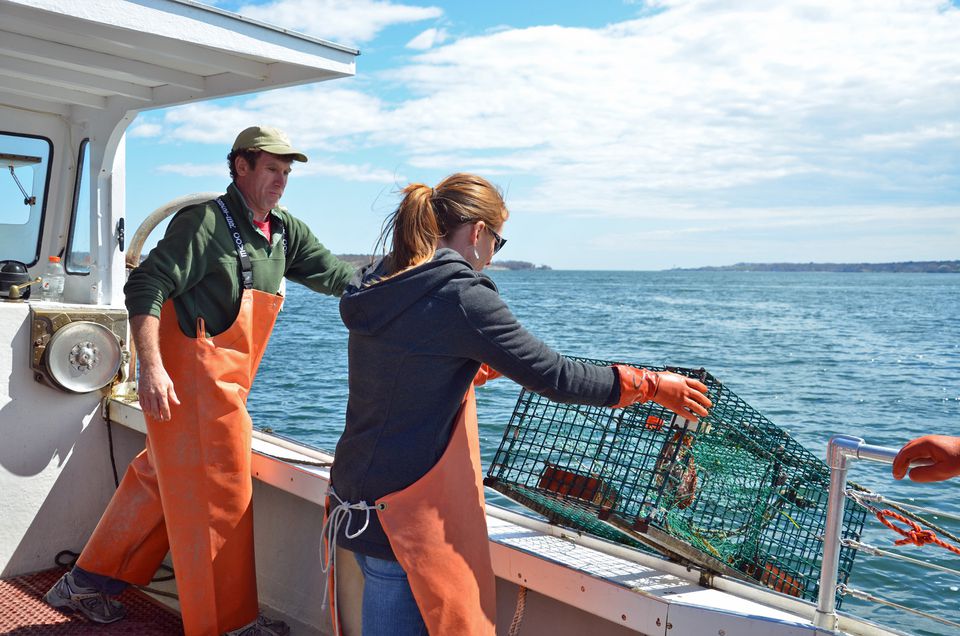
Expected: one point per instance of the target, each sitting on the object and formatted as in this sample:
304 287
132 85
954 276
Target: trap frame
734 494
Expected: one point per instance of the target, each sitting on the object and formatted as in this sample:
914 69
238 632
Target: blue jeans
389 608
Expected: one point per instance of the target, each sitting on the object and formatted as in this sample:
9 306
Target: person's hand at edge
942 450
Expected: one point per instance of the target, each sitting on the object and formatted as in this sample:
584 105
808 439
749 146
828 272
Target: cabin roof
64 56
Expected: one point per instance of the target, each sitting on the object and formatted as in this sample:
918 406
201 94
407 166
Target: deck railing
841 450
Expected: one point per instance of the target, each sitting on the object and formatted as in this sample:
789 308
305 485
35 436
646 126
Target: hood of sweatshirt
367 306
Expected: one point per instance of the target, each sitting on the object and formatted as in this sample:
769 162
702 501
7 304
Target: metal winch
77 350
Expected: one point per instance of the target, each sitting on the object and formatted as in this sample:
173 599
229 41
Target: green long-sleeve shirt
196 264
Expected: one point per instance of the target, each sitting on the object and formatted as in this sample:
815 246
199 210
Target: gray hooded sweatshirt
416 343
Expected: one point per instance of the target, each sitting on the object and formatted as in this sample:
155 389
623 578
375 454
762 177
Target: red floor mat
22 612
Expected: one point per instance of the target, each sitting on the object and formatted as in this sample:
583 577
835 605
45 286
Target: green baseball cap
268 139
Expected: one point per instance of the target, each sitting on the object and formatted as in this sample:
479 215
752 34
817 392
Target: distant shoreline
360 260
911 267
915 267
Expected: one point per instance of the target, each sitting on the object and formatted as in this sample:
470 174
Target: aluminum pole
839 448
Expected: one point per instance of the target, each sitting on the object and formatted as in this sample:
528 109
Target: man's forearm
145 331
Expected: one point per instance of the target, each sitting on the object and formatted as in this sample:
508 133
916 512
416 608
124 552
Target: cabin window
78 247
25 178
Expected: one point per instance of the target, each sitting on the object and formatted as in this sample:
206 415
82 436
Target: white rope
865 596
875 551
519 612
878 498
862 499
337 516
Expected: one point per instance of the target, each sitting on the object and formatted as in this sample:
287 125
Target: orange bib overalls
190 490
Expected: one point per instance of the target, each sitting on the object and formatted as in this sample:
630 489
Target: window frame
46 189
77 186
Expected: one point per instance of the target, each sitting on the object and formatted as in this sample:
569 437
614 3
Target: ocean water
871 355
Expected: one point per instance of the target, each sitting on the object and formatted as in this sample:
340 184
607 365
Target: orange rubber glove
684 396
485 373
942 450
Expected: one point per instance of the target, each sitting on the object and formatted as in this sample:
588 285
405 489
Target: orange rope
915 534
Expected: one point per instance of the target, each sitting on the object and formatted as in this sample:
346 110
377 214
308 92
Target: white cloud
946 131
700 105
361 173
723 236
769 221
699 98
318 118
349 22
145 129
428 39
193 169
346 172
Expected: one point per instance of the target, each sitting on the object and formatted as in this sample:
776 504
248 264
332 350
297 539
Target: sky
626 135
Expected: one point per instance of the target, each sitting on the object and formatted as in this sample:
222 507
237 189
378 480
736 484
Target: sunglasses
498 241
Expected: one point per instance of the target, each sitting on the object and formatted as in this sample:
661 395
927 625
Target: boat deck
23 612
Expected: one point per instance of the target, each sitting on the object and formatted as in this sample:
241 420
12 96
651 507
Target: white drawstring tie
340 514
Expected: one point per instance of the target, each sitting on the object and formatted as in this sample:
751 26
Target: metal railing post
838 449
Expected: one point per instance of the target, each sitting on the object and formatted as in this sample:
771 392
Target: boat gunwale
301 480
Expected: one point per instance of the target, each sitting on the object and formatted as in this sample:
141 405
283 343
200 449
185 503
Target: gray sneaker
66 595
263 626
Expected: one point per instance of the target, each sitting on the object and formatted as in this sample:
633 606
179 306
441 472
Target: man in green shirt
201 307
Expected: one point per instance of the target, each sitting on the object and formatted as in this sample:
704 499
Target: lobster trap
733 494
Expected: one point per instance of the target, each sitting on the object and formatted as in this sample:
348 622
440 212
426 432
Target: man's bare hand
156 392
154 387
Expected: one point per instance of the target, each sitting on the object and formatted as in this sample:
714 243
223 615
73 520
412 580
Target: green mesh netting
735 495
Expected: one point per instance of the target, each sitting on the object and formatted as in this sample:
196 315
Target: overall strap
283 232
245 267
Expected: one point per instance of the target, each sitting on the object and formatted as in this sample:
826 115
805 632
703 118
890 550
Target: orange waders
437 528
191 489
